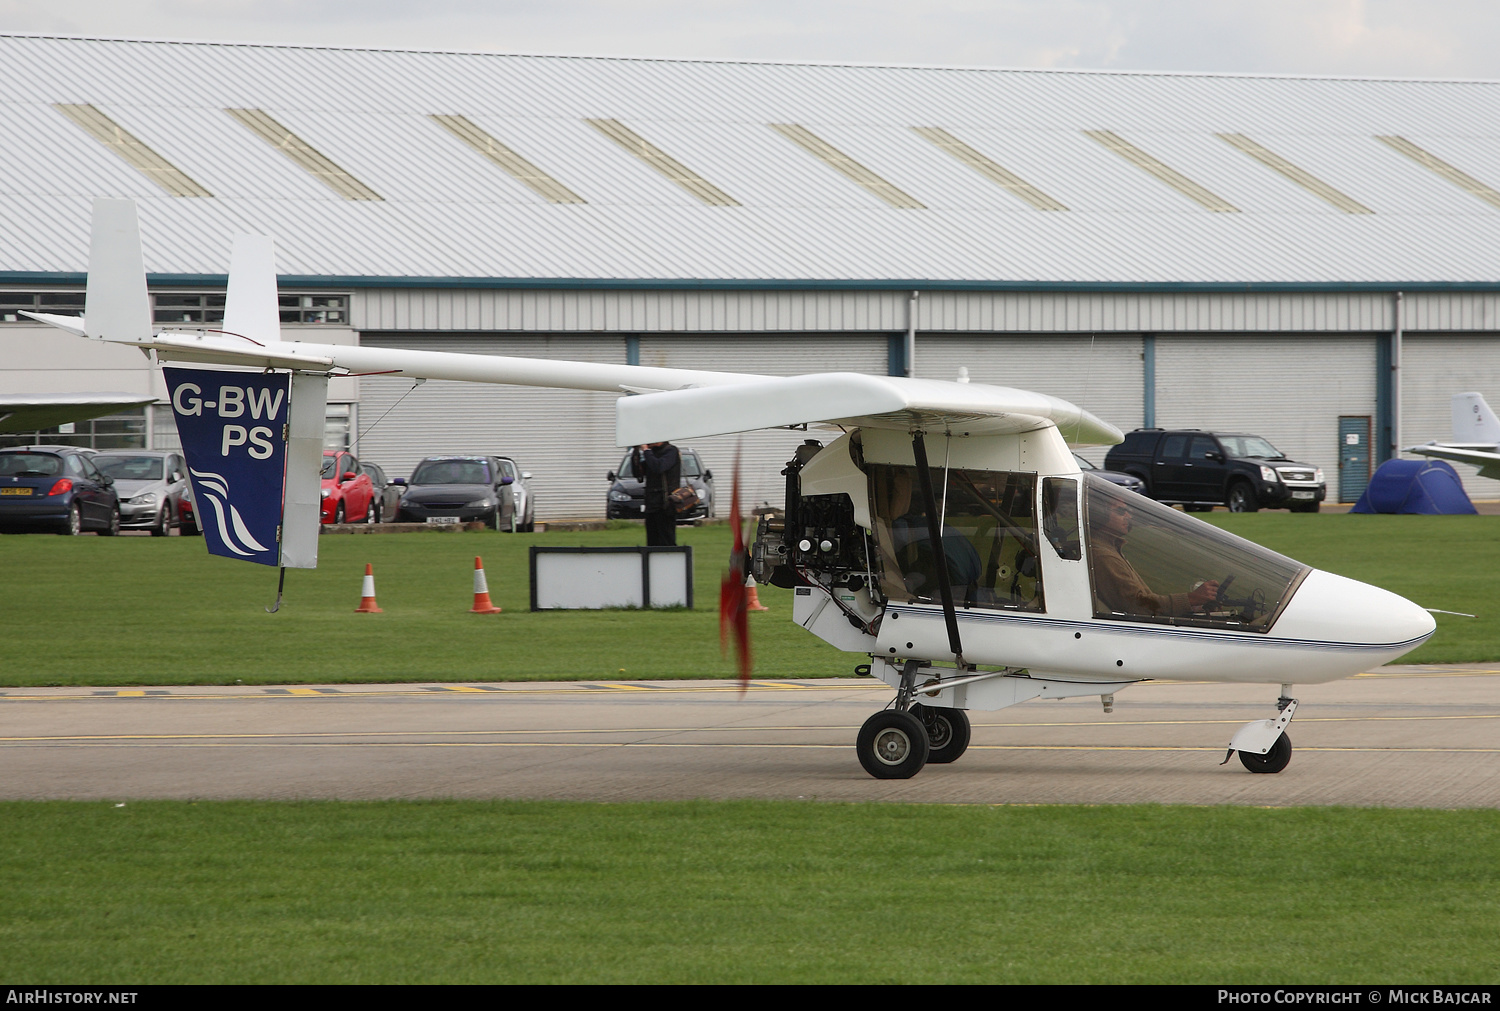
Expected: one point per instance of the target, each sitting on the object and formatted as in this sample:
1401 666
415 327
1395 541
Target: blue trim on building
895 356
1148 380
1385 399
783 284
632 349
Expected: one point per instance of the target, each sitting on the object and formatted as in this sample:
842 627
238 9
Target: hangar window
1433 163
846 166
982 164
332 309
306 157
187 309
1150 563
1295 173
988 534
1148 162
663 162
519 168
57 303
133 151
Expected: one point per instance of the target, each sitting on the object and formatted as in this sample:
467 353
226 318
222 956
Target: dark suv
1200 470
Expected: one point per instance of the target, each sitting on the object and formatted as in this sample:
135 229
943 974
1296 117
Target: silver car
151 485
524 518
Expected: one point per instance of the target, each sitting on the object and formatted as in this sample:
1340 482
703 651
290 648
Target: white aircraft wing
27 412
1488 461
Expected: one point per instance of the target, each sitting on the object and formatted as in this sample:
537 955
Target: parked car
150 484
57 488
1200 470
348 494
627 493
1120 478
524 516
387 495
458 489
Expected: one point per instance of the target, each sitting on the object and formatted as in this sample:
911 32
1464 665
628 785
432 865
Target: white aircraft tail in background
1476 436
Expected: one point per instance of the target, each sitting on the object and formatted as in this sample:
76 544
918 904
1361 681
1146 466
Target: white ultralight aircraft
945 530
1476 437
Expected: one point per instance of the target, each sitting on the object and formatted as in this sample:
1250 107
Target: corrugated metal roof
448 213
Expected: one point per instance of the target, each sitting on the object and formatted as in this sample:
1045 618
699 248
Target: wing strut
940 559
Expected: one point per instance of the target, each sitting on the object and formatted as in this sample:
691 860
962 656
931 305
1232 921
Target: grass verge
525 892
133 610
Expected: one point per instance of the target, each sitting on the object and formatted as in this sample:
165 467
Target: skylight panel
1149 163
1456 176
1296 174
307 157
519 168
135 153
663 162
846 166
990 170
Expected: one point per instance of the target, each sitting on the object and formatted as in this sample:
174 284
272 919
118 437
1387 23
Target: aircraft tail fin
1473 421
250 306
116 307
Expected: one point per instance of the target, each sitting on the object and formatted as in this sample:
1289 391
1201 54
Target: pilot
1120 588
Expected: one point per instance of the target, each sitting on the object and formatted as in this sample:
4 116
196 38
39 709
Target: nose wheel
1272 761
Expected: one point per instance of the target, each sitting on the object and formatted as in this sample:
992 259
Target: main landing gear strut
897 743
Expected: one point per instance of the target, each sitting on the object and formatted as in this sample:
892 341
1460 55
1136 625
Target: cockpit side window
1152 563
989 537
1060 516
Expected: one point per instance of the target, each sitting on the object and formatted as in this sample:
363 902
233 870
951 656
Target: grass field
135 610
514 892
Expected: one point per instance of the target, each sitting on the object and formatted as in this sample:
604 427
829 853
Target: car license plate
442 520
15 491
1302 494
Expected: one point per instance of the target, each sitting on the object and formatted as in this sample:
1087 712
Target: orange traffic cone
482 603
367 603
753 599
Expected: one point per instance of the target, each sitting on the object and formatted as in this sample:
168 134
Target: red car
348 494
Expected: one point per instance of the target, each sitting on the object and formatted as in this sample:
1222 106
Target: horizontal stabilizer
1488 462
72 324
853 400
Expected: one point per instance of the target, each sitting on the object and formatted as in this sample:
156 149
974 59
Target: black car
627 494
457 489
57 488
1200 470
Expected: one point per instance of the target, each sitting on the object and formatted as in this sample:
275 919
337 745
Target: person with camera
659 466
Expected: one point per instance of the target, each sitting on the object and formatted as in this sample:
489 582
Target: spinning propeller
733 597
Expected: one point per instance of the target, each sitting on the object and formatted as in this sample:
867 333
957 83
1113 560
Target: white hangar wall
1284 365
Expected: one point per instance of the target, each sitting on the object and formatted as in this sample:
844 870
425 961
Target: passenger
1120 588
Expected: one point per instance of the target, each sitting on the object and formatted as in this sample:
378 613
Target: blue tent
1429 487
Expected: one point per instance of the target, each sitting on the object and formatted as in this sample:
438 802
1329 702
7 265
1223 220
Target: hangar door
1101 374
565 438
764 454
1291 389
1434 367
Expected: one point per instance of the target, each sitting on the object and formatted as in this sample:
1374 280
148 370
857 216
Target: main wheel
1272 761
893 745
948 732
1242 498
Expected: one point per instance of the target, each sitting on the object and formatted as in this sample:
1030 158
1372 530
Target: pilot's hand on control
1203 593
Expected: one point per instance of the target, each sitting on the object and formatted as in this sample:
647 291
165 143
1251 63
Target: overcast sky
1395 38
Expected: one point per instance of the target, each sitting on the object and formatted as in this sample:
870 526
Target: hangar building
1316 260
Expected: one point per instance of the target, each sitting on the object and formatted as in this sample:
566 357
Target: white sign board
593 578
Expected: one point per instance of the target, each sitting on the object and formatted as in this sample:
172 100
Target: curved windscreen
1152 563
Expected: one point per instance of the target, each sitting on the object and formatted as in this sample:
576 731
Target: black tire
948 732
163 523
892 745
113 526
378 507
1272 761
338 513
370 507
74 526
1241 498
